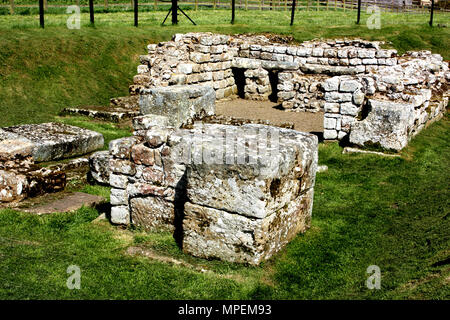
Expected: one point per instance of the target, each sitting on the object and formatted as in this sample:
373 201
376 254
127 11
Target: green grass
368 210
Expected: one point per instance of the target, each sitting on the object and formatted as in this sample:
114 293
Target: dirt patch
60 202
267 110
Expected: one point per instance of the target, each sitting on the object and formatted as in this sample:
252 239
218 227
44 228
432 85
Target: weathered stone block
99 165
122 166
141 154
212 233
53 141
150 120
180 104
387 125
153 213
118 181
121 148
271 180
120 215
118 197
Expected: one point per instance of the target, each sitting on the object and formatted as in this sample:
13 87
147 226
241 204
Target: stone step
54 141
112 114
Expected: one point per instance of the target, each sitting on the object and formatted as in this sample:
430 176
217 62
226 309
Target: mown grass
393 213
368 210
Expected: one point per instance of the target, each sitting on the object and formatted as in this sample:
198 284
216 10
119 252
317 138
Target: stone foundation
334 76
21 147
241 191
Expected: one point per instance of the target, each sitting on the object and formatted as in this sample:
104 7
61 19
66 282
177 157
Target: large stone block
181 104
211 233
153 213
387 125
53 141
246 189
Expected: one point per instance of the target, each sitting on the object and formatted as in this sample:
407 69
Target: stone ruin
244 206
23 147
345 79
233 189
234 192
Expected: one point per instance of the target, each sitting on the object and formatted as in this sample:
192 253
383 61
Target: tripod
174 9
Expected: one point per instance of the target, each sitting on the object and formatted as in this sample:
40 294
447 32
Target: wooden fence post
196 5
214 5
106 4
292 12
155 5
12 6
174 12
432 11
359 12
136 12
233 5
91 11
41 13
45 5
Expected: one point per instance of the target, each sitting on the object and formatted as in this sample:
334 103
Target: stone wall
419 82
208 59
303 77
23 146
20 177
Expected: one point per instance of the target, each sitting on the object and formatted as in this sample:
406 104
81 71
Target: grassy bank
393 213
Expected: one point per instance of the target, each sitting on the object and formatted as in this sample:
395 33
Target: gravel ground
265 110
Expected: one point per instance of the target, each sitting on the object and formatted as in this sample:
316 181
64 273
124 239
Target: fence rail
301 5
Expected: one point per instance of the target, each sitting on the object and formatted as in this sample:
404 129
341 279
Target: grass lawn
389 212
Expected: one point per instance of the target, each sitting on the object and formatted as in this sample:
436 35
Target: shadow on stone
239 79
273 78
180 200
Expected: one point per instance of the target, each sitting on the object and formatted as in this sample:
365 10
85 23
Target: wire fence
404 6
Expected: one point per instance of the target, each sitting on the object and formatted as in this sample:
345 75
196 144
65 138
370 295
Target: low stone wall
208 59
337 77
418 85
20 177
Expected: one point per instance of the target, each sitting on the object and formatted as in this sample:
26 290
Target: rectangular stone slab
211 233
180 103
53 141
273 179
387 125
